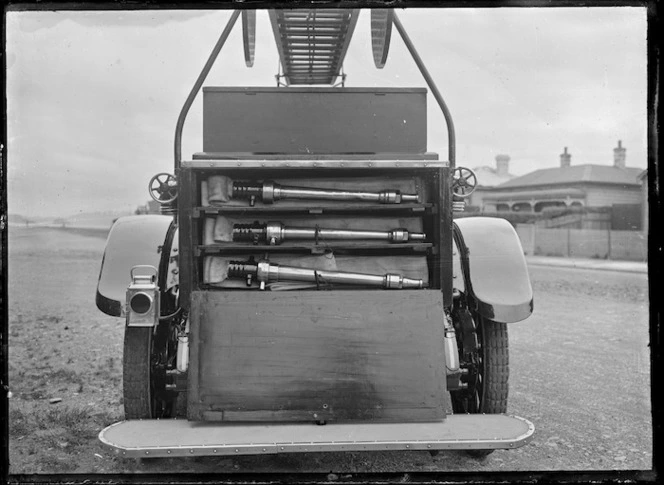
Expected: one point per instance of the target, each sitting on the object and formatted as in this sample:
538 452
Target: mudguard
132 240
494 271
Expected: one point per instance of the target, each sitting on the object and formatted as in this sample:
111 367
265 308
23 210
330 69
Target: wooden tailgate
363 355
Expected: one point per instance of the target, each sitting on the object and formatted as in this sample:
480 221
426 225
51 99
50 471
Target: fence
583 243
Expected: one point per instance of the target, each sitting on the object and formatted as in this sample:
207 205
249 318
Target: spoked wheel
144 374
488 372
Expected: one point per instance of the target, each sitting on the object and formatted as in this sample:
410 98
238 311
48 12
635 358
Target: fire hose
274 233
265 272
270 191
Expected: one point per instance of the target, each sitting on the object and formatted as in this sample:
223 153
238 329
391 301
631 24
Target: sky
93 96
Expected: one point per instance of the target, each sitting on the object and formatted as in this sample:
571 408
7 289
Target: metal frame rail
306 56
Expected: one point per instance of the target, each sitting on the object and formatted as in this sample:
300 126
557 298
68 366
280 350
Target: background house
489 177
604 196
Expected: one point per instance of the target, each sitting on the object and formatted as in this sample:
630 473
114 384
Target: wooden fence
583 243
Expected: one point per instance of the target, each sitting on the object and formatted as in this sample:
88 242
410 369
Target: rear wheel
488 372
144 374
136 375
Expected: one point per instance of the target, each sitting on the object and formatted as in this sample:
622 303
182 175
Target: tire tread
136 373
496 367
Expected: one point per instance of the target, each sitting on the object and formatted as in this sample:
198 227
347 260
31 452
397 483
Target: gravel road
579 371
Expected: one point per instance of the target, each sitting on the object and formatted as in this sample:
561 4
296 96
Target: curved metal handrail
222 40
451 140
197 87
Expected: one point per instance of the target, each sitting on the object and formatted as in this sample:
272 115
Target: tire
146 357
181 405
497 371
143 381
488 391
136 375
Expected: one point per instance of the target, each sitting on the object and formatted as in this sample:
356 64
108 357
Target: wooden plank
256 211
187 198
340 355
311 247
444 225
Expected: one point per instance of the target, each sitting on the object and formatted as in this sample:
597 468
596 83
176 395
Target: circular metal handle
163 188
464 182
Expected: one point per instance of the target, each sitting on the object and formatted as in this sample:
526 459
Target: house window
522 207
540 206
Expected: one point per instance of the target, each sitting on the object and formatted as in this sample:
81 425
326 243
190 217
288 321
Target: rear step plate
179 437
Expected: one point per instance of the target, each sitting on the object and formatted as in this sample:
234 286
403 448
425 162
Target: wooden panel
318 355
444 236
187 198
311 121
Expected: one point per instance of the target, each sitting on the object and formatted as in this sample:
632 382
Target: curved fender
132 240
494 268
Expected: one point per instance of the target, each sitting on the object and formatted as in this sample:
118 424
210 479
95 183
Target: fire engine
306 286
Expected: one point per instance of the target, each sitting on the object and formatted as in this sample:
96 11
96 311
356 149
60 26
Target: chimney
502 165
565 158
619 156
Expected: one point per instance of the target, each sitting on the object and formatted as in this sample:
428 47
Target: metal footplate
174 437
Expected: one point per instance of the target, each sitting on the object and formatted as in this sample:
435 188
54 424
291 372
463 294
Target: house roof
603 174
487 176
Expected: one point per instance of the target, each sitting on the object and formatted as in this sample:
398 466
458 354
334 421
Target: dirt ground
580 372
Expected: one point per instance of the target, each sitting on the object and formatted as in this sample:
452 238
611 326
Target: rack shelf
313 248
316 210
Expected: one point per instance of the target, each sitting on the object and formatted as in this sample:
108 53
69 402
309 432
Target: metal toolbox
314 120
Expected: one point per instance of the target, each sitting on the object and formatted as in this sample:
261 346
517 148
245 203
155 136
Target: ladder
312 43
